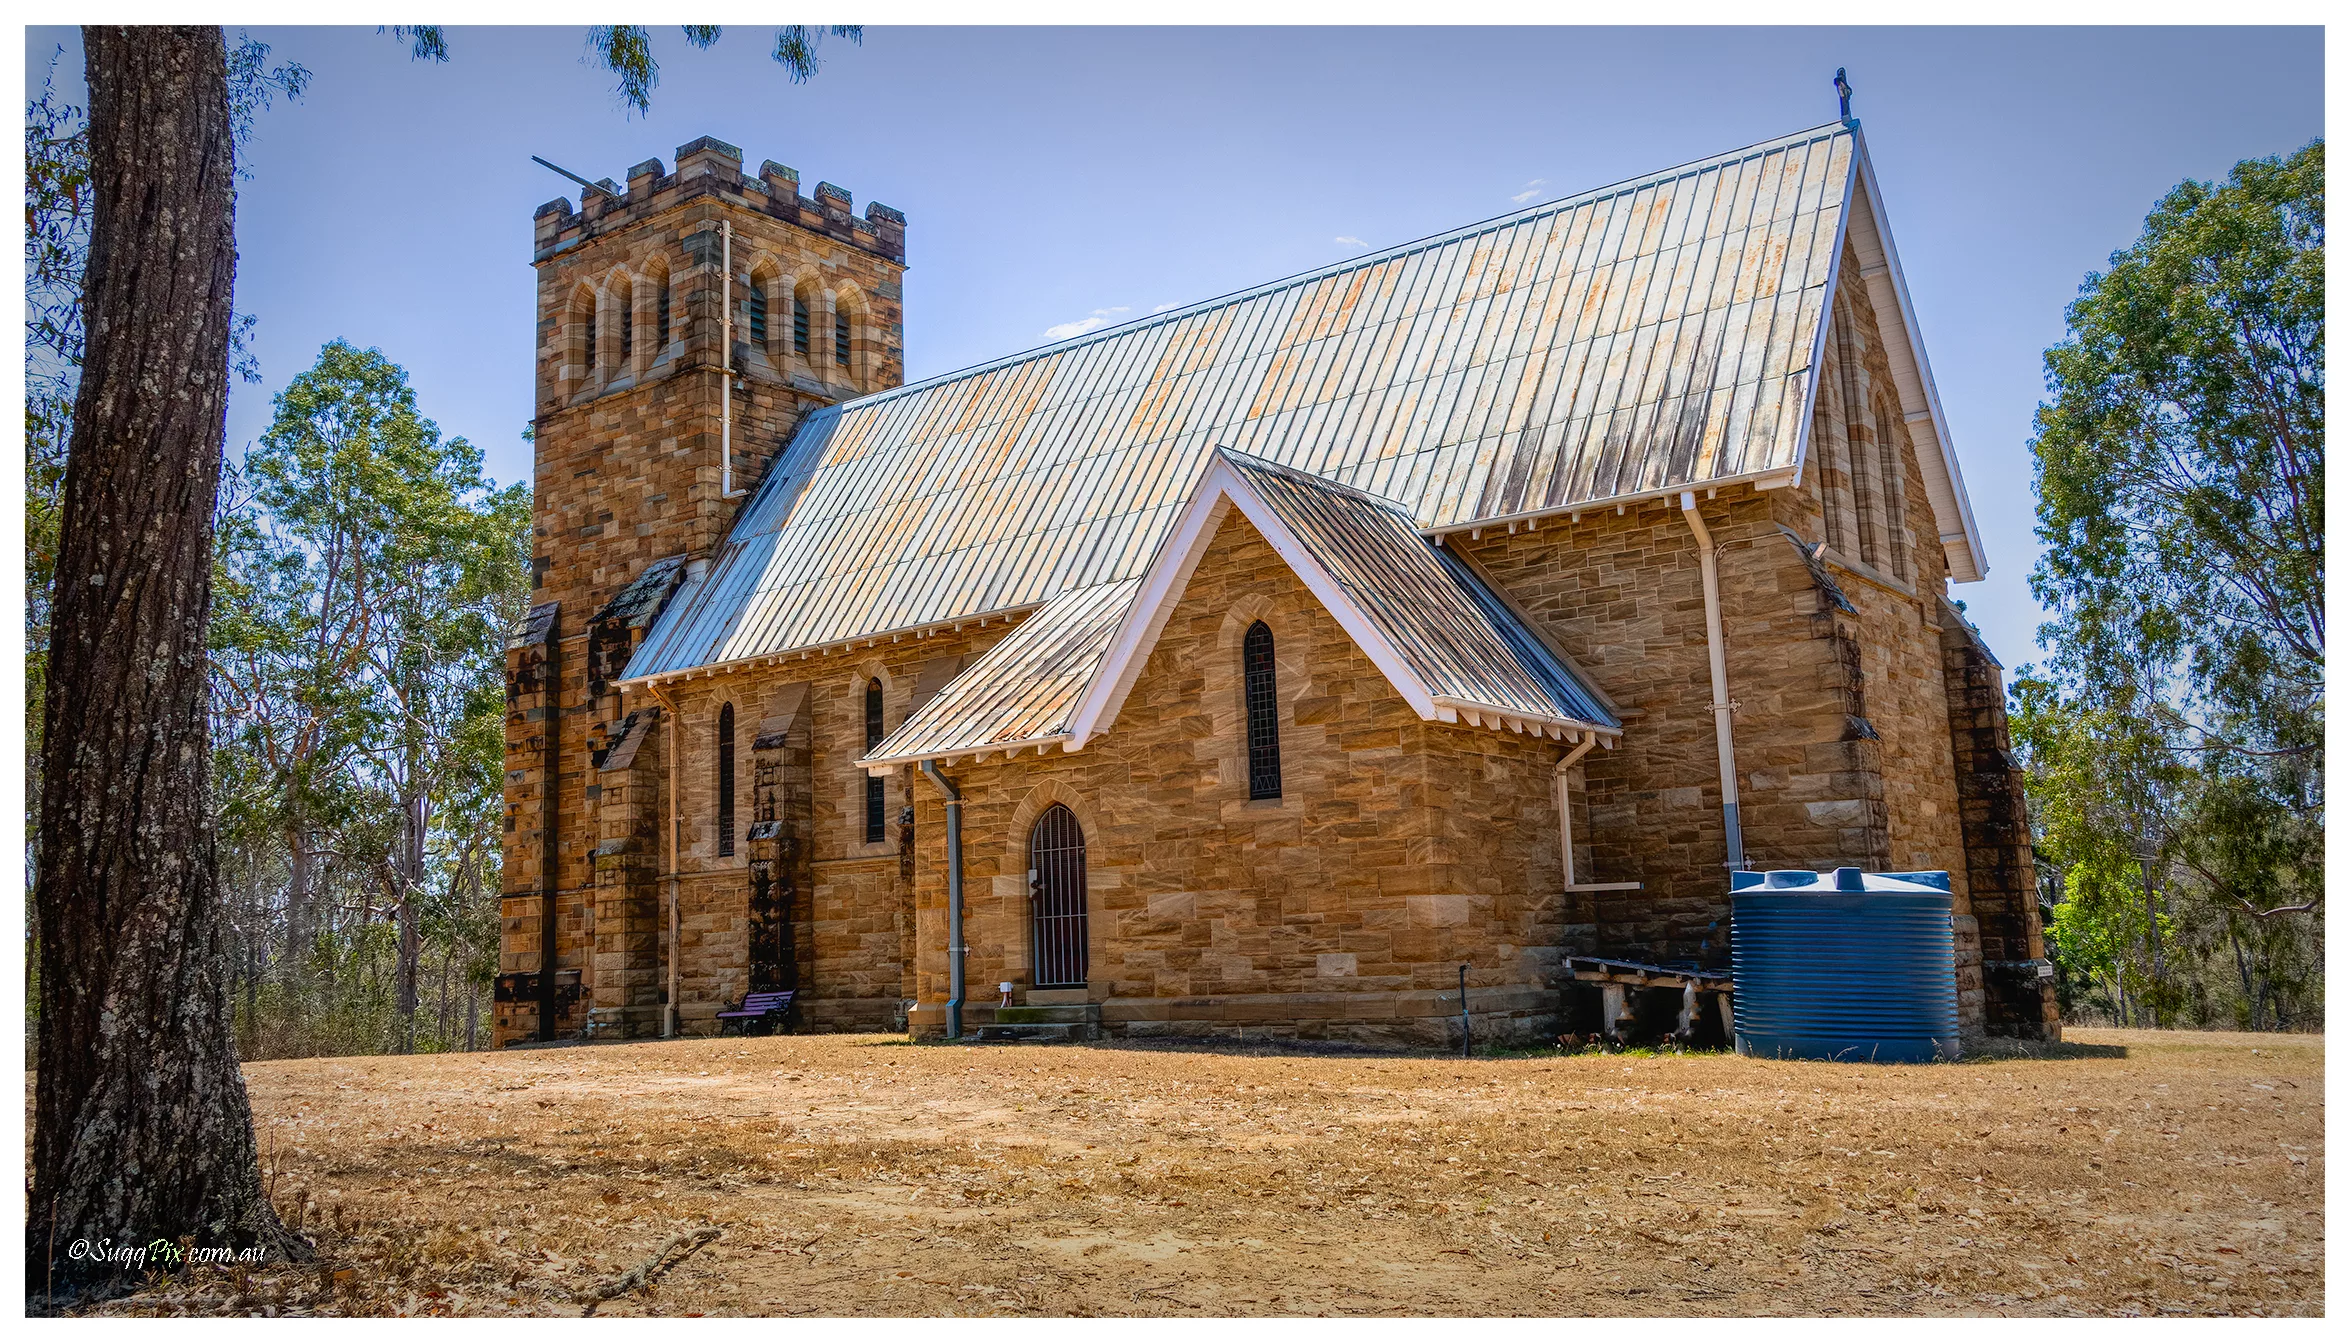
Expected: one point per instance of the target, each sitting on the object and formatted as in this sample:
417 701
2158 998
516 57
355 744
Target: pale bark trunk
141 1128
411 860
301 904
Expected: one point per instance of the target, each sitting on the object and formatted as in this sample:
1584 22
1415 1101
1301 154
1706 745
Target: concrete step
1059 1021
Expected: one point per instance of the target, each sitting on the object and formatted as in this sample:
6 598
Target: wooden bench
1614 978
767 1010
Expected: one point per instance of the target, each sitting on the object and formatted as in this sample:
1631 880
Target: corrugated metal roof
1462 650
1461 642
1650 334
1022 689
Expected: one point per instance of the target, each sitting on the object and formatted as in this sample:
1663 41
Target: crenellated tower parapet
649 433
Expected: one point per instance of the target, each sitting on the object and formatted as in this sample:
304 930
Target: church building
1269 665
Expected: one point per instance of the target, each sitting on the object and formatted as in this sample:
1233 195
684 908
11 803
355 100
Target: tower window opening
661 315
755 313
627 335
588 360
840 338
799 325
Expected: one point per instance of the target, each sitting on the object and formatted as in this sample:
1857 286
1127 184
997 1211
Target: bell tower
649 434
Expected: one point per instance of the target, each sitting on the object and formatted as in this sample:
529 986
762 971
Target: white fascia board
1327 590
1220 490
1179 555
1979 562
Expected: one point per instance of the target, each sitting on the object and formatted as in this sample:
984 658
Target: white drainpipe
726 360
1725 753
1567 806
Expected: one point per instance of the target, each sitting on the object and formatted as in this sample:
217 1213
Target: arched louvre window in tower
755 313
624 308
661 314
874 799
799 326
1264 713
840 339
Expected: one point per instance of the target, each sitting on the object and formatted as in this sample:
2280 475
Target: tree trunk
411 861
141 1127
301 907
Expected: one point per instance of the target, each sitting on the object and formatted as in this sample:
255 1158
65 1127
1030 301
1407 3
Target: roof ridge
1367 259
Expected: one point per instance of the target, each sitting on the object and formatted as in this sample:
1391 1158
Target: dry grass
2130 1172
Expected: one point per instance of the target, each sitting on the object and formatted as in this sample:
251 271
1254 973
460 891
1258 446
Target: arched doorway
1056 890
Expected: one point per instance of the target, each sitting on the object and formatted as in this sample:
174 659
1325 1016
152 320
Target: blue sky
1056 176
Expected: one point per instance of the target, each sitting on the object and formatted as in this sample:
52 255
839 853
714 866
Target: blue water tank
1847 965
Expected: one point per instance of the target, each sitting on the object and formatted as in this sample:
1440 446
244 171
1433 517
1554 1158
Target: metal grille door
1056 885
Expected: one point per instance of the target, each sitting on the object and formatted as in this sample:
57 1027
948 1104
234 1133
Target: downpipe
955 947
669 732
1726 755
1566 798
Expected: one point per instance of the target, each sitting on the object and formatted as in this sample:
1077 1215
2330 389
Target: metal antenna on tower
1843 100
598 186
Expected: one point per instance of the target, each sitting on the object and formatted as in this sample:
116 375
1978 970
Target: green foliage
2175 738
367 577
626 50
2181 458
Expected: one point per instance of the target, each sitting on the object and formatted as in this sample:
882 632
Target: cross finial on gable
1843 95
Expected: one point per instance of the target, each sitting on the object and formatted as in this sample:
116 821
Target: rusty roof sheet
1461 642
1647 335
1404 596
1023 689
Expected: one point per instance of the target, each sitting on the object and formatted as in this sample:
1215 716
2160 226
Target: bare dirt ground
2127 1172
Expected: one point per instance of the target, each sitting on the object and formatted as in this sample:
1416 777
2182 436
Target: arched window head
726 782
1264 713
755 312
874 799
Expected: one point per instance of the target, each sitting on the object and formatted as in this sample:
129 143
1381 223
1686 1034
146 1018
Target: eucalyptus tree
362 662
141 1128
2180 465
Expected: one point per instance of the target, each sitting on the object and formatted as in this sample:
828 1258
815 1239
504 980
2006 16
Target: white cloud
1349 240
1166 307
1533 189
1099 317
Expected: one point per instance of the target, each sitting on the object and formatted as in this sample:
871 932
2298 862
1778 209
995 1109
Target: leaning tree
141 1128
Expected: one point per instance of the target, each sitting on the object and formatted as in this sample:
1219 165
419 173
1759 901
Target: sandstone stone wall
628 472
1398 851
1837 664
